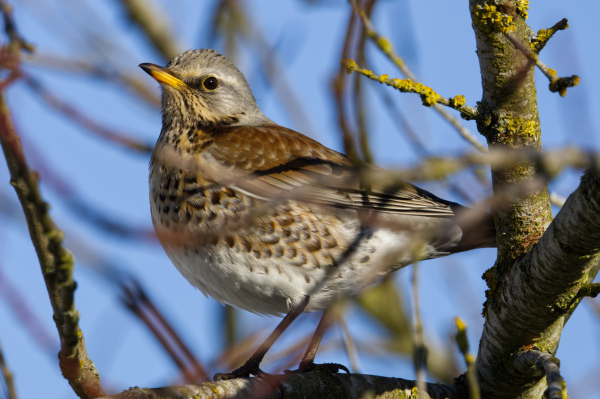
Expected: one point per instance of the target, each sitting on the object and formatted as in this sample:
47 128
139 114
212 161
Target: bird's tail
478 230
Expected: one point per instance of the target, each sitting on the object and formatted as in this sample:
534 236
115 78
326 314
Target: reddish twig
56 262
83 120
18 304
136 300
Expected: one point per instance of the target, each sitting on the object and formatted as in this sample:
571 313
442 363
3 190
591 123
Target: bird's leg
308 361
252 365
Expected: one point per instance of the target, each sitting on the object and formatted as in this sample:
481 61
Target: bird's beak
162 75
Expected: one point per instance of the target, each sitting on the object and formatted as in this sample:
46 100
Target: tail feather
478 230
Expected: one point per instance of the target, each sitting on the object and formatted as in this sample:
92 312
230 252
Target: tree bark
533 286
317 384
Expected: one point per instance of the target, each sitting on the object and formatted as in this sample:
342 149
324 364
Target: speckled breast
241 250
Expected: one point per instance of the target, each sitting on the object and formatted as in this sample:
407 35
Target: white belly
271 287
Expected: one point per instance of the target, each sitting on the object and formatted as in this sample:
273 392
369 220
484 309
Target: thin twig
146 303
17 303
132 301
339 86
413 138
428 96
56 262
419 350
8 377
349 345
545 364
557 389
154 26
79 206
84 121
543 35
388 49
359 94
463 344
557 84
271 65
104 71
464 132
557 199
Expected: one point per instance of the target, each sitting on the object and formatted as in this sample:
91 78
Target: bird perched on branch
263 218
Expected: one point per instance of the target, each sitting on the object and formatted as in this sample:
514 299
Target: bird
266 219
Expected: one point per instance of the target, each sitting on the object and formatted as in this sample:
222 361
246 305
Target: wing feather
293 165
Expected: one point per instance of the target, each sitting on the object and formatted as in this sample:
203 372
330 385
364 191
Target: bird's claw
310 366
243 372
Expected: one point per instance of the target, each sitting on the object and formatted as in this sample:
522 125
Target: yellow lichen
489 19
522 7
560 85
458 101
540 40
350 66
385 45
516 131
428 96
521 127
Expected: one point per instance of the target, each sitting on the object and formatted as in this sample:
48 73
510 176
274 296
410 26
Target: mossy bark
539 269
56 263
316 384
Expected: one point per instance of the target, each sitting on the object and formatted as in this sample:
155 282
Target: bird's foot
310 366
249 368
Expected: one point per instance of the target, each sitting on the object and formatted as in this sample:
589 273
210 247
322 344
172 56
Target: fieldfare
263 218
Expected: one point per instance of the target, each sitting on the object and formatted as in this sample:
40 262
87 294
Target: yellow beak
161 75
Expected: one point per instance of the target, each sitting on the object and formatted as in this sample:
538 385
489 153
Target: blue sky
437 41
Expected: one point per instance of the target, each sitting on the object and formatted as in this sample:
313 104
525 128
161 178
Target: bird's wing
272 162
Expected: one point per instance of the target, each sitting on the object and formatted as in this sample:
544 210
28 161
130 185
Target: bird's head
204 87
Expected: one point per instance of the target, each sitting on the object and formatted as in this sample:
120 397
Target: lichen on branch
428 96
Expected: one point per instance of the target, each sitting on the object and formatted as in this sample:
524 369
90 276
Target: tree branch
56 262
529 304
591 290
531 287
318 384
549 366
388 49
155 27
463 344
7 377
557 84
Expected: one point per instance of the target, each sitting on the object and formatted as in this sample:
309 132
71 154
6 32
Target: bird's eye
210 83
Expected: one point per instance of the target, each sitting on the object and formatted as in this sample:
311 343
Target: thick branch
319 384
521 310
509 118
529 305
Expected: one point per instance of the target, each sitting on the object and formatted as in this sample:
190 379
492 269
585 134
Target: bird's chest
183 201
